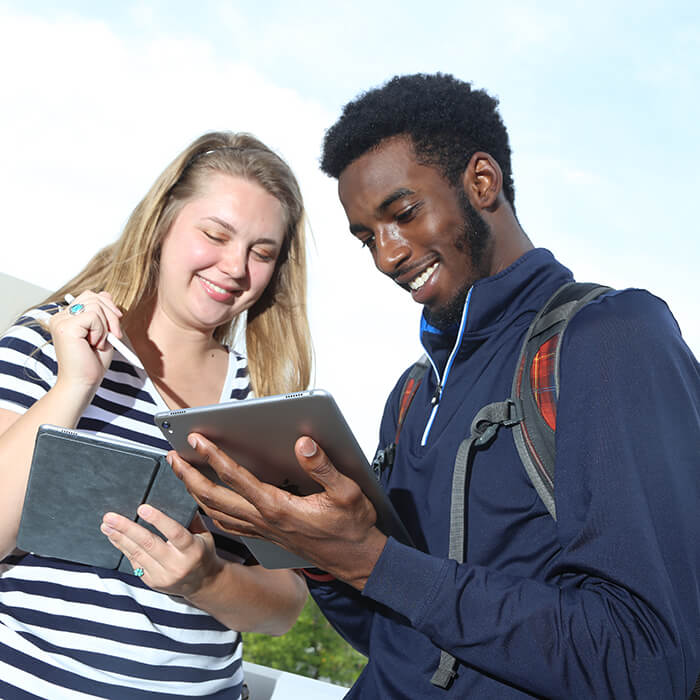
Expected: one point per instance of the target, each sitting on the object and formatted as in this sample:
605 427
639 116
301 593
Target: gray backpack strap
535 445
534 437
446 672
483 429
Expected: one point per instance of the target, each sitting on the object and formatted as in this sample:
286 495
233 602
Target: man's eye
368 242
408 213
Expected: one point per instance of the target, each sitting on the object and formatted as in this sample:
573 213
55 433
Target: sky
601 101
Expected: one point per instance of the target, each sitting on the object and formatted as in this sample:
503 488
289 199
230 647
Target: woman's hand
80 339
181 565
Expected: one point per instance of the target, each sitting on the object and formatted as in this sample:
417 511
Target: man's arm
616 612
349 612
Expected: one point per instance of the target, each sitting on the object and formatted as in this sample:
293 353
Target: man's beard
473 240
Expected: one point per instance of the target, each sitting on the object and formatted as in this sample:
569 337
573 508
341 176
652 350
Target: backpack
530 411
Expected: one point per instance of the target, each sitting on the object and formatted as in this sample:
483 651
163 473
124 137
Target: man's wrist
318 575
373 548
361 562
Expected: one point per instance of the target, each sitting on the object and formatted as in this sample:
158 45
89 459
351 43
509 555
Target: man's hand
334 528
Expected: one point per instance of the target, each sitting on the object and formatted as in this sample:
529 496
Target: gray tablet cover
76 478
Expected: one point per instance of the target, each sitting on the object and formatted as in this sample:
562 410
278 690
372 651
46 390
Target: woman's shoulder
28 364
236 357
31 326
237 384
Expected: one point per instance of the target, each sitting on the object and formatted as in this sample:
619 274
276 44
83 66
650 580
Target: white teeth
422 279
215 287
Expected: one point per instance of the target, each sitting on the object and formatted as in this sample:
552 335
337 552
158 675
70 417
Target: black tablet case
76 478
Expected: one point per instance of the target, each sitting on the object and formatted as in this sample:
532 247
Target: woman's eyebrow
221 222
232 230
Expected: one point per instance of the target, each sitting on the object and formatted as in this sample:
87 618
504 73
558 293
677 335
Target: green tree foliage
311 648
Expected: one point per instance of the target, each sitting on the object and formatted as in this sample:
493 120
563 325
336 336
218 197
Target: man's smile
416 283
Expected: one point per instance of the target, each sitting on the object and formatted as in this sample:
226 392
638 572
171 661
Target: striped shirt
74 631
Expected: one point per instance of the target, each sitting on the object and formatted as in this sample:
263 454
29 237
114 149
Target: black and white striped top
73 631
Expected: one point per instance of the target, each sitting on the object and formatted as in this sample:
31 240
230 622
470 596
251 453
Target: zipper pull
437 395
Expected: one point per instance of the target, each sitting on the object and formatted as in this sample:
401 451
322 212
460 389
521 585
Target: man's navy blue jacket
602 603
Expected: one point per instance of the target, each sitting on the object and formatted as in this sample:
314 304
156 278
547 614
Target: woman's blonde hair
278 340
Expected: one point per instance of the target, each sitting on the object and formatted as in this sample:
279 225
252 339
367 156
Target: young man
602 602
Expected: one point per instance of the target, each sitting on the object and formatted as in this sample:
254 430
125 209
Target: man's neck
510 241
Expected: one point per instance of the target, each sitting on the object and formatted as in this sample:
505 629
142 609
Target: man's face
420 232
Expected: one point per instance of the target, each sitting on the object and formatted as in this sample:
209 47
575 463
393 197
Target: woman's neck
187 366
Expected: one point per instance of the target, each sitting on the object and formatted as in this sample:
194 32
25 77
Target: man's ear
482 181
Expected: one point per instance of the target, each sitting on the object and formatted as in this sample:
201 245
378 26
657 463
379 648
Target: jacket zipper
441 383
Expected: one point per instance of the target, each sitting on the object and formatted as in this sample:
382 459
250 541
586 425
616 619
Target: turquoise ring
76 309
139 572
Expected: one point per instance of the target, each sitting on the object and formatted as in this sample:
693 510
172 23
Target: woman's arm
82 354
17 434
253 599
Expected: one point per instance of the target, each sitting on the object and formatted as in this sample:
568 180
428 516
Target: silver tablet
260 435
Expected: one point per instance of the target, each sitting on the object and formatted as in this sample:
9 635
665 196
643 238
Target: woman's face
220 253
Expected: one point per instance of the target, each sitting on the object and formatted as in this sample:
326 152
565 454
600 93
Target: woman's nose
234 261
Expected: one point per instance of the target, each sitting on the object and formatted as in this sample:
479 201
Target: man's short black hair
446 120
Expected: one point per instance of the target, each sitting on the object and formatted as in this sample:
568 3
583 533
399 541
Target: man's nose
391 249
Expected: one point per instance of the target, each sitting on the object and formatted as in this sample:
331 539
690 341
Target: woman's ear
482 181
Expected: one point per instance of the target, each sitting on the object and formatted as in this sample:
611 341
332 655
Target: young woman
220 233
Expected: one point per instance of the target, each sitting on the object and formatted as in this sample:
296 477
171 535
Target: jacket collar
498 300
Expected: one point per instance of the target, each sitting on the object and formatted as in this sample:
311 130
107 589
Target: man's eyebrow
396 194
357 228
386 203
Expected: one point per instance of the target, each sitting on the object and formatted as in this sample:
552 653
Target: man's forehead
380 171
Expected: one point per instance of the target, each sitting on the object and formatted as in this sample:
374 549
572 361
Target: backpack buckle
384 459
514 412
487 421
487 435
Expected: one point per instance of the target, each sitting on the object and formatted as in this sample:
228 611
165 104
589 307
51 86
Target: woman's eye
264 255
214 237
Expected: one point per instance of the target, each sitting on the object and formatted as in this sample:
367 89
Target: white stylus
116 343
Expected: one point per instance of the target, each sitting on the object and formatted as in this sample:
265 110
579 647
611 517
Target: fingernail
308 447
192 441
106 529
169 459
144 510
